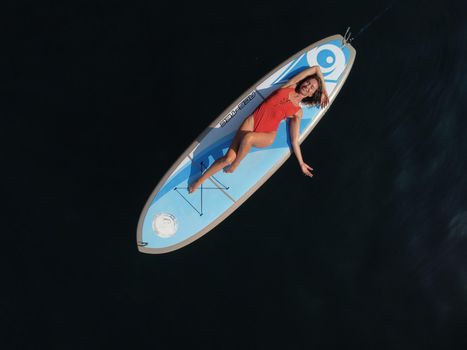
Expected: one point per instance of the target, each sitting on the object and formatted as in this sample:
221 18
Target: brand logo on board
239 107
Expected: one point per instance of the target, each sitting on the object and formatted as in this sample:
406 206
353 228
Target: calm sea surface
101 98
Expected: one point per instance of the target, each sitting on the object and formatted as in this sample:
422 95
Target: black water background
99 99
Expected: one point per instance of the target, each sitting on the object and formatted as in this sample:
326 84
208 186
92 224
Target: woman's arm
324 96
294 134
302 75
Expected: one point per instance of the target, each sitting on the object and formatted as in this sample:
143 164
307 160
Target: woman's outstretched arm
294 134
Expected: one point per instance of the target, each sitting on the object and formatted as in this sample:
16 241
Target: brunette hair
315 99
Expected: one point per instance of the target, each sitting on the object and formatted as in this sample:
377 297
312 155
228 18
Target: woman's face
309 87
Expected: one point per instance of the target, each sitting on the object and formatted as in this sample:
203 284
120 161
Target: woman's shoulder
288 86
285 90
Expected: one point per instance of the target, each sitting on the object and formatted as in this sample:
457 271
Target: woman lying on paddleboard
259 129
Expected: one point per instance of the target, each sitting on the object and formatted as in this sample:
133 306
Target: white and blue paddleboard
173 218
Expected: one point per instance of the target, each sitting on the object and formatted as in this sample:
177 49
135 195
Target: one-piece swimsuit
273 110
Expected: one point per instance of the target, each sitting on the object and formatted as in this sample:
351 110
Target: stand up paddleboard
173 218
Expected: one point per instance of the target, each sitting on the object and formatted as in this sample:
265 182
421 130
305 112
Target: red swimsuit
276 107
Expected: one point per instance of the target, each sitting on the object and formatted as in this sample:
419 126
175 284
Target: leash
348 39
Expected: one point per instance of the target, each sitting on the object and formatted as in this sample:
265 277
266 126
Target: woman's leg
229 157
257 139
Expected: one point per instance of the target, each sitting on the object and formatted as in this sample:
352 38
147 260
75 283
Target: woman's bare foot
194 186
231 168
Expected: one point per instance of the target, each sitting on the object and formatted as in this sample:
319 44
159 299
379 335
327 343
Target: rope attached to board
348 34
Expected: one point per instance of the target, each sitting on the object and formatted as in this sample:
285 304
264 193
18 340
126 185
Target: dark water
99 99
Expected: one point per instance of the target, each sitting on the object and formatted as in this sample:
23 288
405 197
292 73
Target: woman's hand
324 99
306 169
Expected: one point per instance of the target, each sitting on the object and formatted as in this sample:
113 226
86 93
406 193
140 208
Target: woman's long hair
315 99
